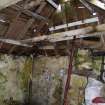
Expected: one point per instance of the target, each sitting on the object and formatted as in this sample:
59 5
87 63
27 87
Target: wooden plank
29 13
68 35
52 3
15 28
81 22
6 3
85 73
32 4
23 32
14 42
39 10
78 43
47 47
97 3
65 38
42 5
87 5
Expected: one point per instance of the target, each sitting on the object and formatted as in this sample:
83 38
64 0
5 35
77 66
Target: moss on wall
85 60
50 82
14 75
48 79
58 92
25 74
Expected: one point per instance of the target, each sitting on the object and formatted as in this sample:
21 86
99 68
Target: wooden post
72 50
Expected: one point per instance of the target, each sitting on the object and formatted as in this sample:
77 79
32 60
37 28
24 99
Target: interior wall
49 78
48 75
14 77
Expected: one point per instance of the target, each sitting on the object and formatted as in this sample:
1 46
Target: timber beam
6 3
86 73
77 23
29 13
64 36
87 6
52 3
97 3
14 42
69 35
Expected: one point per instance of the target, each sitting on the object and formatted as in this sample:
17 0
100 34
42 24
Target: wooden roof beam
52 3
68 35
32 4
87 5
23 32
85 73
81 22
6 3
29 13
97 3
14 42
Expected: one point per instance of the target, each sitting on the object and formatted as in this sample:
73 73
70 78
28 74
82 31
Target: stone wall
49 80
14 75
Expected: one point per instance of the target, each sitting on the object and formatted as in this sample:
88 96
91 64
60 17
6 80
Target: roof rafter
68 35
6 3
14 42
62 36
81 22
29 13
97 3
52 3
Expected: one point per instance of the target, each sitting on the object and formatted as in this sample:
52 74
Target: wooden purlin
70 68
23 32
16 27
52 3
11 32
14 42
39 10
97 3
7 3
17 31
77 23
28 25
29 13
80 33
68 35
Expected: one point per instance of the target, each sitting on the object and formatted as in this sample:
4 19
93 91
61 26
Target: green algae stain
57 95
25 74
3 78
16 73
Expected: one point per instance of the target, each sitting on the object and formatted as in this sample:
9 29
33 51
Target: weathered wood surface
23 32
77 23
52 3
97 3
14 42
69 35
6 3
85 73
29 13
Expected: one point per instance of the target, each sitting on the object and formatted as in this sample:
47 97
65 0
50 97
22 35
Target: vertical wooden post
30 82
72 51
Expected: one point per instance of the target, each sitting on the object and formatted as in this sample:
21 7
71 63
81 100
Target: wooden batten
69 35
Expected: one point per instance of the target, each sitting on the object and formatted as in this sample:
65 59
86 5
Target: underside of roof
35 27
